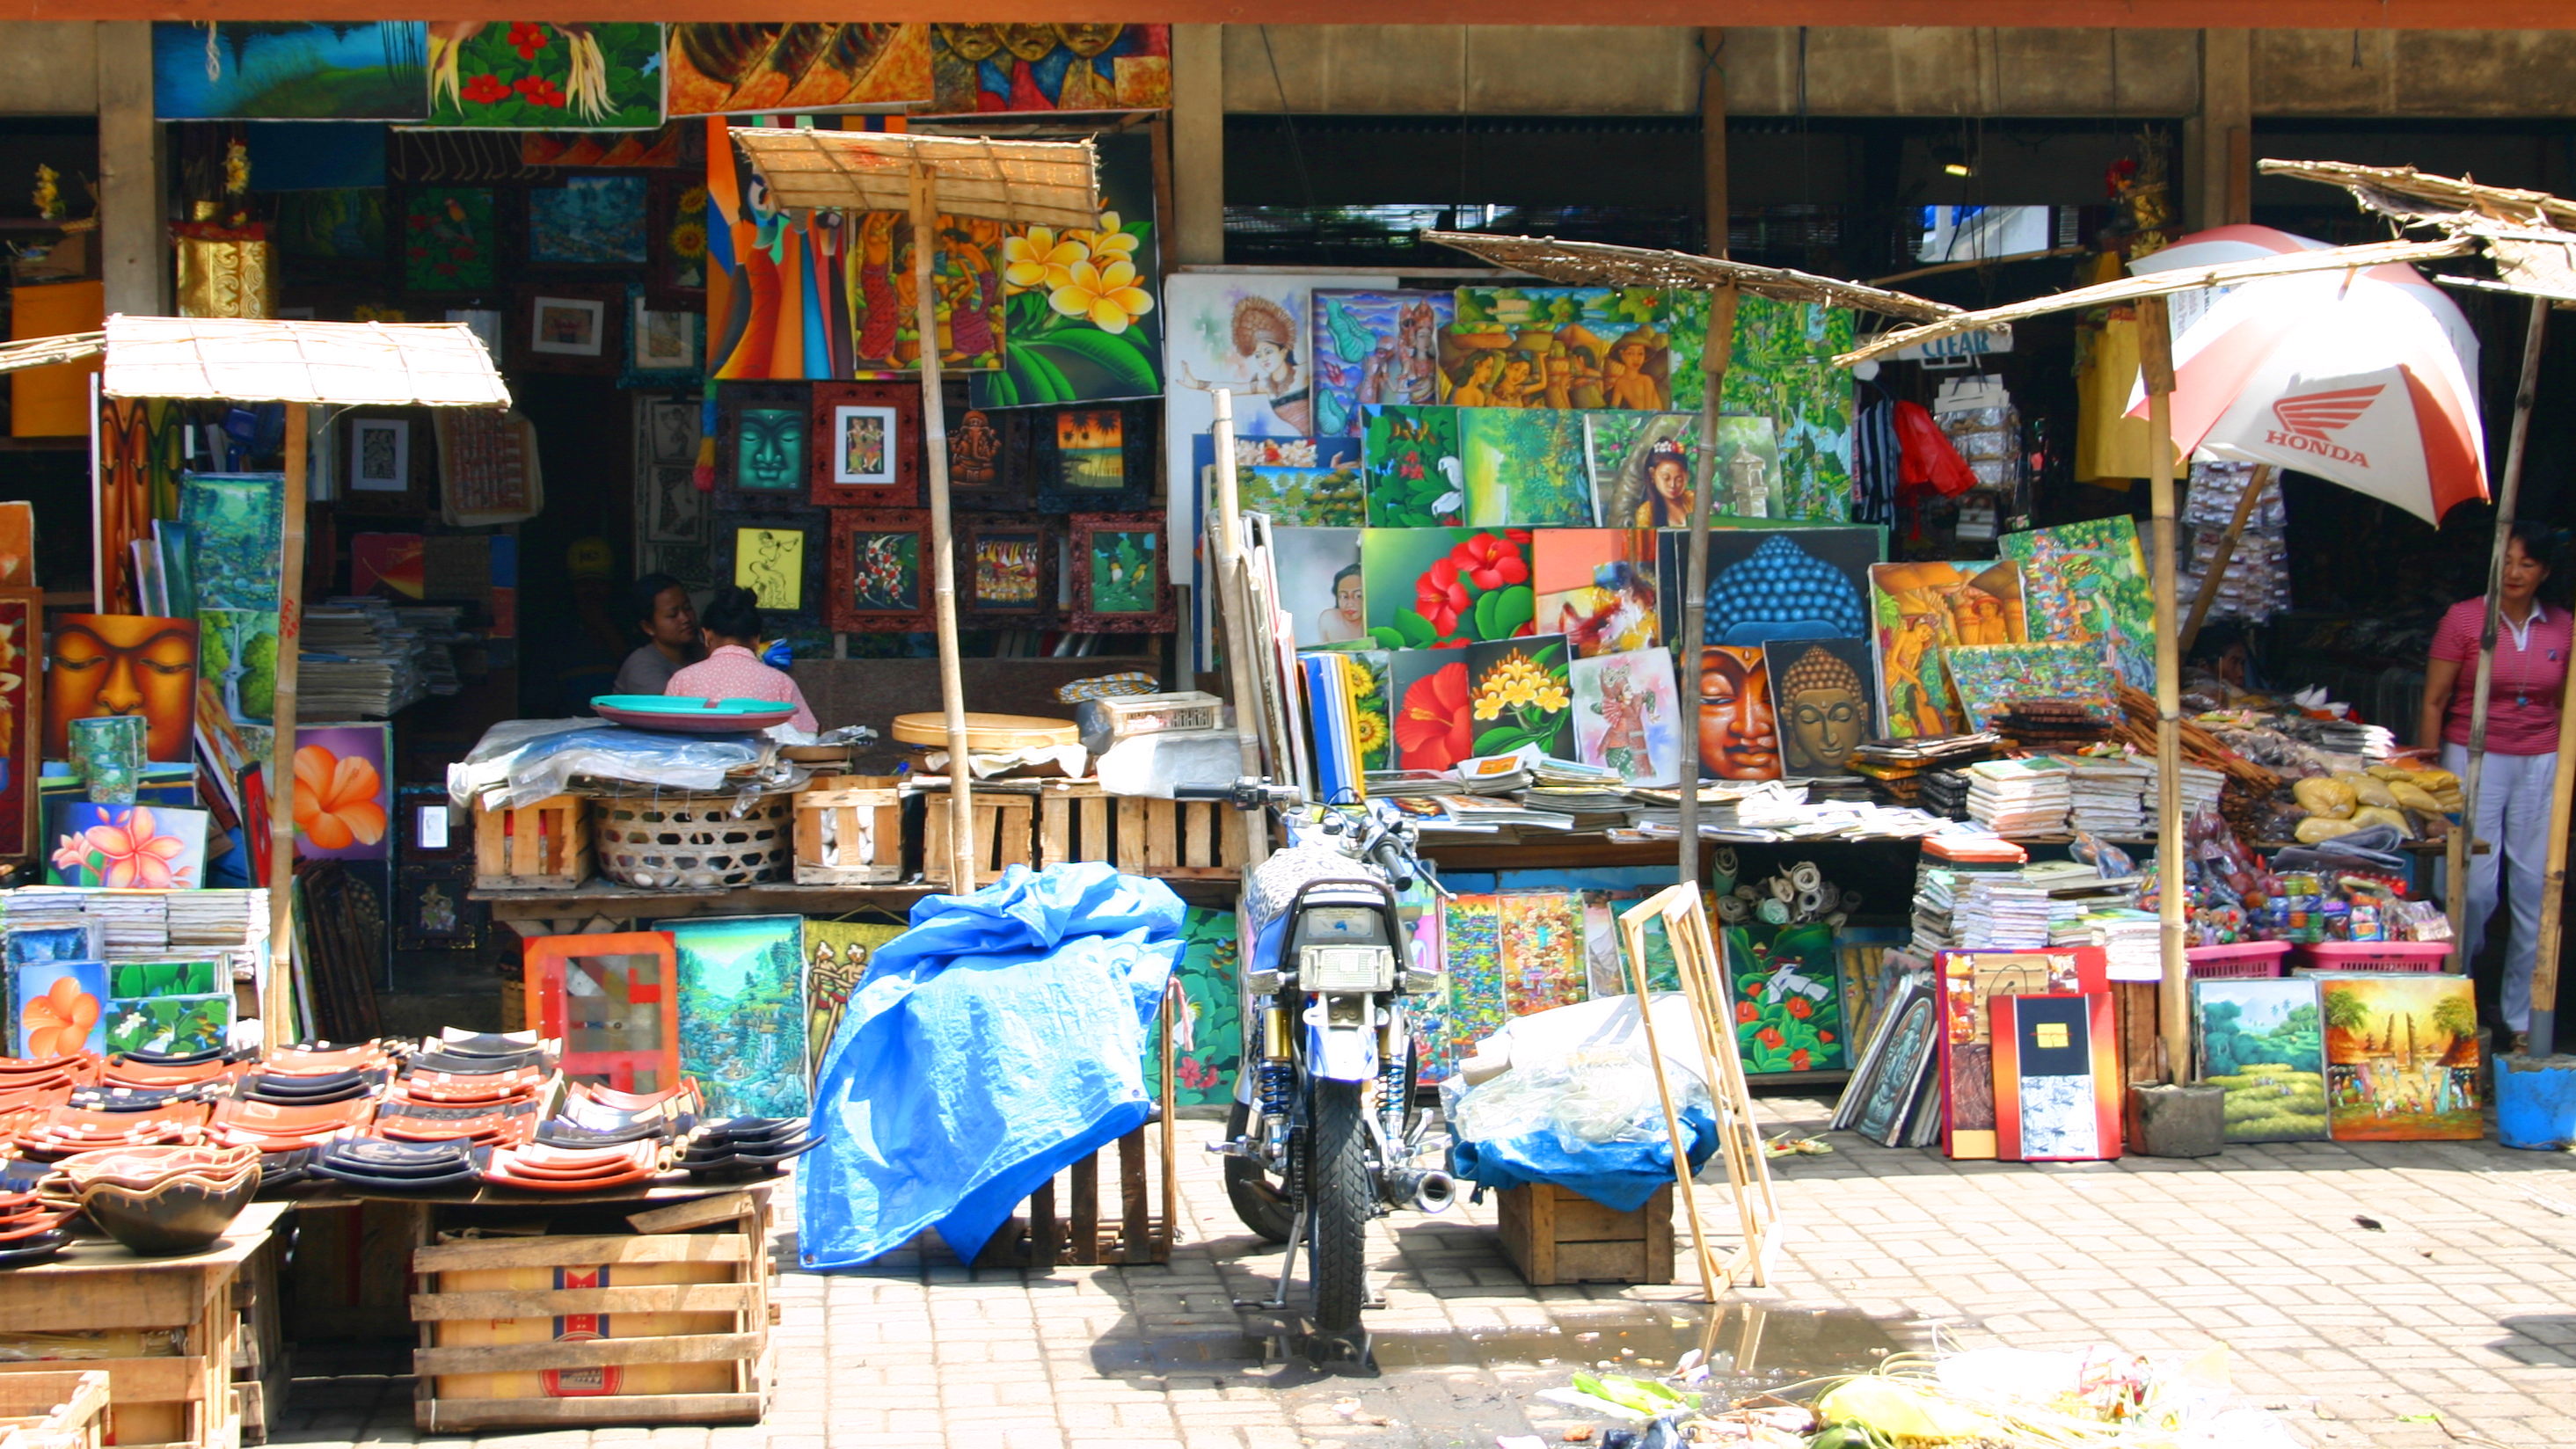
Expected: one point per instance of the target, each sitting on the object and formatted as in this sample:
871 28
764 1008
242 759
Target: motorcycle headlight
1346 968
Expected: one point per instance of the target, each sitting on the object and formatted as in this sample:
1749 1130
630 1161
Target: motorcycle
1324 1136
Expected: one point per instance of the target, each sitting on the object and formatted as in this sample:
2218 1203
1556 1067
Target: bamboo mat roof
1025 183
242 359
1597 264
2530 236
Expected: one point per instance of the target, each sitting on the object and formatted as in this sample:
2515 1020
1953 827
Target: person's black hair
734 613
645 594
2546 545
1350 571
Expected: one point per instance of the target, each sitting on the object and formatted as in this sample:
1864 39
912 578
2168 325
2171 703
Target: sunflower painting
1371 702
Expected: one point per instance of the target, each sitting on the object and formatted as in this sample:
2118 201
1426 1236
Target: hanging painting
1821 703
433 908
2263 1044
2403 1062
450 242
1525 468
1096 460
2087 584
100 664
1596 586
1411 467
588 221
22 687
666 451
1208 1051
1121 581
2057 1079
62 1008
983 471
601 75
1373 348
1319 585
1084 317
1921 611
966 290
1432 722
836 961
1434 587
867 445
664 348
779 558
1783 583
678 281
743 1026
1643 467
763 433
1747 484
343 791
142 847
1006 570
612 999
569 329
996 69
376 70
736 67
1628 715
880 582
1788 1008
1990 678
1557 347
1521 697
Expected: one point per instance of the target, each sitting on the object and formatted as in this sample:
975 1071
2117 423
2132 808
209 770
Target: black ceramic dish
34 1250
377 1153
172 1059
182 1215
485 1043
394 1185
555 1132
470 1065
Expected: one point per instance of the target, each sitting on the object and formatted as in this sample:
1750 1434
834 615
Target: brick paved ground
2451 1322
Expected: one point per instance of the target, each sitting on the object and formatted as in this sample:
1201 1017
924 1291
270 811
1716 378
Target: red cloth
733 672
2530 674
1925 458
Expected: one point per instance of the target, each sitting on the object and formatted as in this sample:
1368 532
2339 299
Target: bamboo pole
1235 632
1632 933
2553 886
1715 354
276 1007
934 442
2508 493
2173 1003
2218 562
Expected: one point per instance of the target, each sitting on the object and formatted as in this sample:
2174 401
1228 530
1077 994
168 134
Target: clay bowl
144 1167
185 1214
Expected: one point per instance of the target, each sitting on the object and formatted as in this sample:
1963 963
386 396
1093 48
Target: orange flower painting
342 806
128 849
60 1019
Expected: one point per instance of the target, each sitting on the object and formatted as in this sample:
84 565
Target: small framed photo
379 455
433 911
867 445
1095 459
1006 569
662 347
764 445
570 329
881 565
1122 579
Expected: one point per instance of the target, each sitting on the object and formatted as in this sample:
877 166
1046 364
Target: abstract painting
743 1028
234 70
1628 715
1208 1049
1821 703
733 67
169 1025
1431 721
837 954
1373 348
1788 1003
1921 610
1121 583
1988 679
1644 466
450 241
2057 1079
2263 1043
588 221
1739 736
102 664
1081 306
879 579
868 445
612 999
126 847
2402 1058
1596 586
1478 1006
1557 347
1542 945
62 1008
1525 468
1007 569
2087 584
1320 585
1411 467
996 69
556 76
1430 587
343 792
22 683
1783 583
966 286
1520 696
1968 981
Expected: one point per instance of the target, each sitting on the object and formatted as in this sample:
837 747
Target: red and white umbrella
2368 379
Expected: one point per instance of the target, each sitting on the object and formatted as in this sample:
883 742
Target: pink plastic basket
2244 961
2376 955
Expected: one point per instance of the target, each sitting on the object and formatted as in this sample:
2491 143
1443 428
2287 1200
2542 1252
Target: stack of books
1896 768
2016 798
2109 795
2128 938
1949 859
356 662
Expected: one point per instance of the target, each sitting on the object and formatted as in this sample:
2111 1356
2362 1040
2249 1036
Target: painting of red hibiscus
1444 588
1433 722
546 75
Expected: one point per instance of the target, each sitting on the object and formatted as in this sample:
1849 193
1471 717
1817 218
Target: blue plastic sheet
992 1045
1618 1175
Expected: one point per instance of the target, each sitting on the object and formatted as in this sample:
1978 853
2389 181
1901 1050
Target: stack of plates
745 1145
30 1229
539 1168
379 1165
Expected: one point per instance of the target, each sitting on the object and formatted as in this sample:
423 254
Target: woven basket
679 841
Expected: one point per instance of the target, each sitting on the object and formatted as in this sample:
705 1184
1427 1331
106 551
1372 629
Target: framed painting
2403 1062
451 241
881 561
22 687
779 557
379 455
1096 459
836 961
677 279
588 221
664 348
569 329
867 445
2263 1044
982 473
1893 1083
613 1000
2057 1078
668 506
743 1026
764 434
1006 569
1122 581
432 911
1968 982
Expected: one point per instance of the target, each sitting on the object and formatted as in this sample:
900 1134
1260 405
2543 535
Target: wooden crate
1003 834
1556 1235
497 1354
53 1410
545 846
1173 839
263 1362
849 831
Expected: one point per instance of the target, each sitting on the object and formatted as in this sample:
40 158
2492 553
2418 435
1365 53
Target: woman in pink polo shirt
731 670
2532 644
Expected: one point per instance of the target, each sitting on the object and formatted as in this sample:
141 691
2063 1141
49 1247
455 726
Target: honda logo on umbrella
2309 422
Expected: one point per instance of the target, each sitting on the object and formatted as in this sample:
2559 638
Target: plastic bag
522 761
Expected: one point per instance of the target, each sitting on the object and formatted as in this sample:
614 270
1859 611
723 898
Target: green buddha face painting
769 456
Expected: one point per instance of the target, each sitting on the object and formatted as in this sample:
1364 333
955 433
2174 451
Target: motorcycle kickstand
1297 1239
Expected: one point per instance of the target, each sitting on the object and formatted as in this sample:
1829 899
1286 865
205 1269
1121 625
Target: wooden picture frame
1089 534
976 534
572 328
983 474
1115 434
726 564
668 506
665 347
673 282
432 909
22 719
882 535
413 462
754 421
886 414
636 969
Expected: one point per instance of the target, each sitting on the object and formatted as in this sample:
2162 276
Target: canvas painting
771 563
1372 704
131 980
2087 584
966 286
588 221
878 581
1748 483
2402 1058
731 68
1525 468
837 954
1411 467
83 941
662 347
1968 982
169 1025
1521 697
1320 586
603 75
743 1027
101 664
393 564
1781 583
1783 371
1557 347
1430 587
1478 1001
1009 568
1628 715
1644 466
1428 693
17 543
237 70
22 613
1542 946
1739 736
2263 1043
343 791
1987 679
1208 1049
996 69
2057 1086
1597 587
236 530
148 847
1375 347
1124 569
1822 705
675 511
1898 1075
450 241
1084 309
62 1008
769 448
611 998
1091 450
1922 610
1122 582
1786 976
1318 497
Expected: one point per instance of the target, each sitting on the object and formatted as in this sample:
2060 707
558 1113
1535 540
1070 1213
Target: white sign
1998 338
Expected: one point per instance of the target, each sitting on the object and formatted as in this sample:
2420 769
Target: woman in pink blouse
732 670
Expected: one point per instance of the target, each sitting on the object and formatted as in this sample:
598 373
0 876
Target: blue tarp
1618 1175
995 1043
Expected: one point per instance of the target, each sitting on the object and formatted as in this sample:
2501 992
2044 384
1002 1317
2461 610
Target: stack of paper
2200 788
2001 913
357 660
2128 939
218 919
1948 859
2019 797
2109 795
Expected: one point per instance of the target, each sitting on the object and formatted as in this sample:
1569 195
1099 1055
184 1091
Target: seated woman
659 607
732 668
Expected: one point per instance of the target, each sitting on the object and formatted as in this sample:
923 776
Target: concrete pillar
1198 143
2218 142
1712 130
133 231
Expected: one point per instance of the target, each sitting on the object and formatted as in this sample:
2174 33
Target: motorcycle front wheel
1257 1200
1343 1205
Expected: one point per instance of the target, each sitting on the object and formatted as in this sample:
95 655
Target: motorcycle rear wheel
1257 1200
1343 1205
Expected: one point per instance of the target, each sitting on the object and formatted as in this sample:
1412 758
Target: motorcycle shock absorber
1277 1081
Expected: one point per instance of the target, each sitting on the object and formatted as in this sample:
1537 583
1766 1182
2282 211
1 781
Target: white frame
890 474
596 307
360 480
684 360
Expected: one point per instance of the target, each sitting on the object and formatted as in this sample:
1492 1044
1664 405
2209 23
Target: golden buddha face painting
105 664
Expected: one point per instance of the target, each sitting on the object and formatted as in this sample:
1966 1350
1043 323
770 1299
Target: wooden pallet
1138 1234
545 846
53 1410
497 1353
849 831
1556 1235
1171 839
263 1361
1003 837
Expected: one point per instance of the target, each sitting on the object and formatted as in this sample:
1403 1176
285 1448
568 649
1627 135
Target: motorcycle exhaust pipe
1422 1191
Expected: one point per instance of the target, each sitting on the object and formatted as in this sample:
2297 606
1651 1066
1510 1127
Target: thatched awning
240 359
1021 183
1597 264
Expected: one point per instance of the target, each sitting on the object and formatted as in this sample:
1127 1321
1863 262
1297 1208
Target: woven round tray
678 841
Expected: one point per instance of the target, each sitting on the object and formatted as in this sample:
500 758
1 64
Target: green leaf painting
1781 368
1208 1053
450 242
526 75
1411 467
1788 1003
1123 573
1526 468
1441 587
